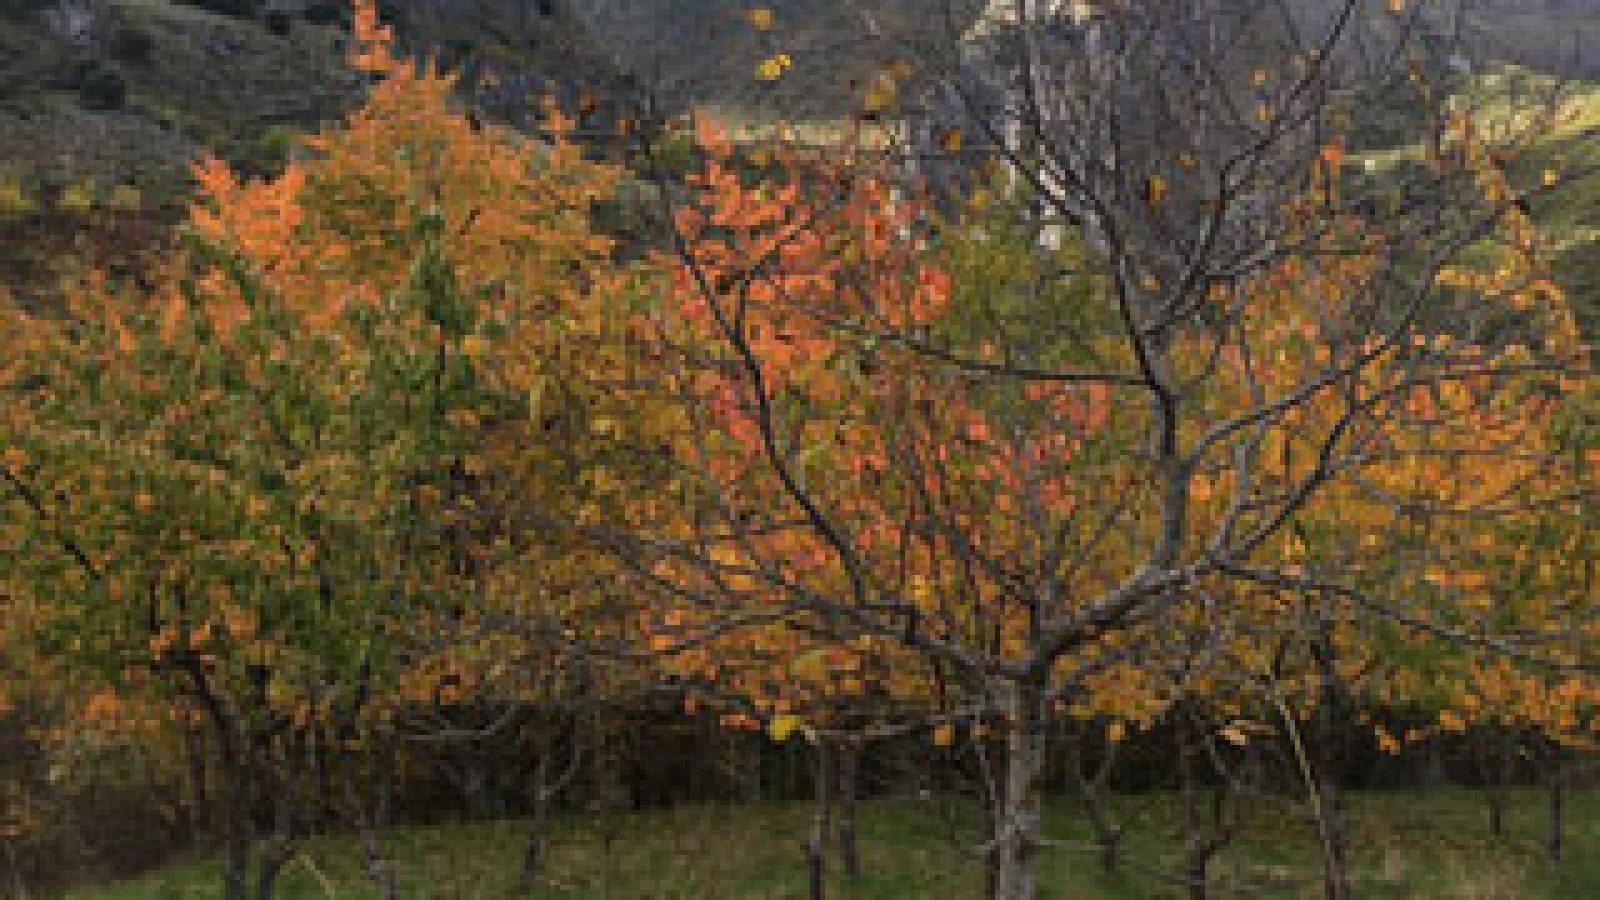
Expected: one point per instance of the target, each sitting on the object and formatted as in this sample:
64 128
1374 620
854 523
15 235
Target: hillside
103 103
125 91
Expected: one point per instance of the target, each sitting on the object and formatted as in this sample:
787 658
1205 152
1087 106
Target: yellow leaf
810 666
240 623
781 727
1387 742
761 18
772 69
1155 190
78 198
944 735
1234 736
881 95
125 198
13 458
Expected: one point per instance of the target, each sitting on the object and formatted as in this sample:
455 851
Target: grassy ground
1405 845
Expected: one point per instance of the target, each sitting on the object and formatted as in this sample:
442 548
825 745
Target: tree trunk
1221 832
271 865
749 775
849 765
1555 795
236 859
533 855
378 868
1109 840
1497 811
232 792
1016 837
1499 779
991 854
1196 859
816 872
250 870
1107 833
1329 805
199 802
1336 870
19 884
822 826
1207 829
274 854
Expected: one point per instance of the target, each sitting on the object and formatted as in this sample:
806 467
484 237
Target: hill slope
127 91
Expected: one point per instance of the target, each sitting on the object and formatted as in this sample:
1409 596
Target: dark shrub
132 44
325 12
278 21
237 8
102 88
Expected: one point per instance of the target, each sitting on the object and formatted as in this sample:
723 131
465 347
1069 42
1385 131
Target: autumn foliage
395 439
233 496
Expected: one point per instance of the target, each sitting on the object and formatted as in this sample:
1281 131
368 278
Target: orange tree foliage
866 520
295 480
1432 578
1442 583
1507 604
913 455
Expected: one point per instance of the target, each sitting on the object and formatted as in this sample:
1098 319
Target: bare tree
1251 334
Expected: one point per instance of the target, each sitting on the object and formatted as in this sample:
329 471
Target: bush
278 22
235 8
132 44
325 12
102 88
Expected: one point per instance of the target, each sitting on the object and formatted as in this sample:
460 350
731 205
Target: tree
999 488
235 495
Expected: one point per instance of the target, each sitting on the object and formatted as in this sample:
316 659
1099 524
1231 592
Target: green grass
1404 845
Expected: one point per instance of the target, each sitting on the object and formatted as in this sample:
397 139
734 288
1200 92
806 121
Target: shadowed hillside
126 91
